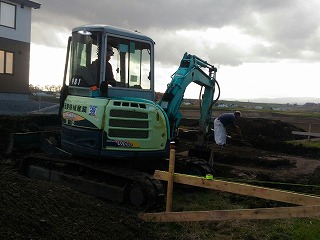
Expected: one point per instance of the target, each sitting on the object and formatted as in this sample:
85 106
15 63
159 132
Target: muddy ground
262 153
32 209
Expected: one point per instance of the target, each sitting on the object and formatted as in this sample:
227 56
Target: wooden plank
306 133
240 188
219 215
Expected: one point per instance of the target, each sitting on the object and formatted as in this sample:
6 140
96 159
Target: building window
7 15
6 62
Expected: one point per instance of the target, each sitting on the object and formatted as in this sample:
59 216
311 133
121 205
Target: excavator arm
190 70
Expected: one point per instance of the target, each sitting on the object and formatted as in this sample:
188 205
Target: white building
15 37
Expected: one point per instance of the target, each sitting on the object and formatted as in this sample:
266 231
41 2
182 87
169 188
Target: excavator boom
190 70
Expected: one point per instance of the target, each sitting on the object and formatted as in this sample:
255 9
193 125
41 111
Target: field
32 209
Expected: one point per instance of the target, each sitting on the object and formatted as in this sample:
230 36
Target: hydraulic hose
214 101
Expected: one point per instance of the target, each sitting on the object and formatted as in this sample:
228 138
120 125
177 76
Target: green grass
306 229
287 109
205 200
306 143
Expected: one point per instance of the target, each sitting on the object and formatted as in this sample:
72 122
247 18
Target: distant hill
290 100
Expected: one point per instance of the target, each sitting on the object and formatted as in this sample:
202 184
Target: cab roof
113 30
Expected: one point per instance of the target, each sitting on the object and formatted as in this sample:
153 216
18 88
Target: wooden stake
211 159
170 180
306 133
309 132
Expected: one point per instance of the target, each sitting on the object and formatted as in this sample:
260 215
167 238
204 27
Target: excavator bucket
46 141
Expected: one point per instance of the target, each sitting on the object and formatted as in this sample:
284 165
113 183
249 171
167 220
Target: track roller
193 166
121 185
145 191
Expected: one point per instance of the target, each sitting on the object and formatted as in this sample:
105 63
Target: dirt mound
32 209
255 128
259 133
262 154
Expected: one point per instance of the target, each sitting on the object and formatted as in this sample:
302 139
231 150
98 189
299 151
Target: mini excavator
113 134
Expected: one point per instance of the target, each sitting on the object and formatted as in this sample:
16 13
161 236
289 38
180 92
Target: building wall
18 82
17 41
23 25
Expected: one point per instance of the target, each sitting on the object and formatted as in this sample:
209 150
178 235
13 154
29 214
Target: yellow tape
209 176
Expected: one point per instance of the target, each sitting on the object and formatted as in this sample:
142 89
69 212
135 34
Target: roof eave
28 3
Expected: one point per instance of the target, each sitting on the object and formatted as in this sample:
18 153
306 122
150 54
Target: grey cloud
290 27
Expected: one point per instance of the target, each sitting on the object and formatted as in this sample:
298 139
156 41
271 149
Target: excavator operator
109 78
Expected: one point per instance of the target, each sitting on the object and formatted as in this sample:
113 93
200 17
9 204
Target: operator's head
109 51
237 114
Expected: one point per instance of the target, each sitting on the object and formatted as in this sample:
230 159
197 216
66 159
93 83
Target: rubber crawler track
151 189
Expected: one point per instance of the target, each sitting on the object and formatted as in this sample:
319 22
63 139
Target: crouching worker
220 124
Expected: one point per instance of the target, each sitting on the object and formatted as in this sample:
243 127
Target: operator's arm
109 79
109 75
236 127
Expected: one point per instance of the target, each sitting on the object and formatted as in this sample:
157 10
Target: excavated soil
32 209
262 153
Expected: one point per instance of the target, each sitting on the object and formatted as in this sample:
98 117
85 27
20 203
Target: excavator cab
101 119
132 64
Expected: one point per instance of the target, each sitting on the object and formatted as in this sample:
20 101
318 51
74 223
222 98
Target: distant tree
57 88
310 104
48 88
52 88
33 89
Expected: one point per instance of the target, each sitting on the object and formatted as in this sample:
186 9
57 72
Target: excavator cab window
131 63
85 54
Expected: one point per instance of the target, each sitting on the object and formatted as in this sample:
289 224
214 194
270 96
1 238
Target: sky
262 49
